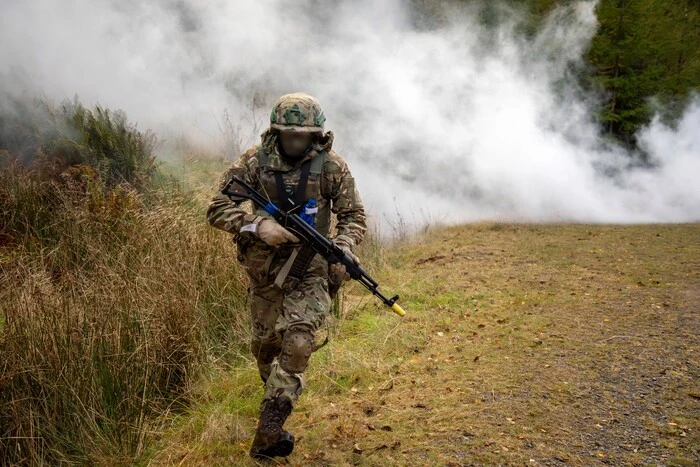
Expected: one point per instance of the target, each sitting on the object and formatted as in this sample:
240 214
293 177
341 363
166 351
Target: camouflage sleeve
225 213
346 202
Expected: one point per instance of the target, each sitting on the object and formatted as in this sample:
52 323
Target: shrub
38 133
111 293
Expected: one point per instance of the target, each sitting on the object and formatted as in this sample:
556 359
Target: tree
644 49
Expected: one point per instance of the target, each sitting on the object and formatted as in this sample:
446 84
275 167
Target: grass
523 344
108 327
104 321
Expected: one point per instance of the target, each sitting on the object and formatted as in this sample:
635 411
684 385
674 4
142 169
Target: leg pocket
308 304
256 264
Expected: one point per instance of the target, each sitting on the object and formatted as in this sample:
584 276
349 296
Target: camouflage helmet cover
297 112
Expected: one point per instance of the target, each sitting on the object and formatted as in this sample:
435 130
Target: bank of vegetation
113 289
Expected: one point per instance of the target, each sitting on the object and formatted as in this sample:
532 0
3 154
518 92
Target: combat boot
270 439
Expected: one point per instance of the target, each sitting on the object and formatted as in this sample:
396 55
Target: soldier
293 165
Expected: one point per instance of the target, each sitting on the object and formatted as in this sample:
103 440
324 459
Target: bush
56 138
111 293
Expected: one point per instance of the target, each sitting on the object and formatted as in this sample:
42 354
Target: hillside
523 344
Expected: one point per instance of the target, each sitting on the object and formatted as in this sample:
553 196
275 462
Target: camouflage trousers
275 312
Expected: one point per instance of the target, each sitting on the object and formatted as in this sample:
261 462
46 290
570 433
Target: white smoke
449 123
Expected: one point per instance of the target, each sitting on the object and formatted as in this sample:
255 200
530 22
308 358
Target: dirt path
538 346
523 345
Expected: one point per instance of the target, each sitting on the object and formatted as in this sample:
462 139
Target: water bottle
308 214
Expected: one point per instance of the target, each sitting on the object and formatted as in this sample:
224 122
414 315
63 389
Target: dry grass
110 302
537 345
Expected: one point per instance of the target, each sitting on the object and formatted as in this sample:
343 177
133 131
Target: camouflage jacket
338 193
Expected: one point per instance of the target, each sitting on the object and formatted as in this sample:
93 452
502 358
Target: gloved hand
268 230
337 271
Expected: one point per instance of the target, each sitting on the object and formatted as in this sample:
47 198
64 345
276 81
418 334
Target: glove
269 231
337 271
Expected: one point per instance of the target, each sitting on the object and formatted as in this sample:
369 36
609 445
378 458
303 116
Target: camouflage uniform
285 321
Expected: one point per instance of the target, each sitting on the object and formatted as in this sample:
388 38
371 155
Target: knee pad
297 346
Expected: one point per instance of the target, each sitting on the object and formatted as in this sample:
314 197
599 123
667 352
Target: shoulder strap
314 166
303 180
286 201
262 157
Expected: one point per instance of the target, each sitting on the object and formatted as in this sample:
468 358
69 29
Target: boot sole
281 448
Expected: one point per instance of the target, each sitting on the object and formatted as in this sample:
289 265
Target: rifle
318 243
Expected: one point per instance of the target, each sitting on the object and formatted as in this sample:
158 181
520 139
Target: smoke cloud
447 121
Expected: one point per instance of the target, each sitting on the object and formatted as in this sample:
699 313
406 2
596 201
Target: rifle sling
295 267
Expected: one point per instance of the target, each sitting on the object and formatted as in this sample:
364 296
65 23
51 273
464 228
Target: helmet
297 112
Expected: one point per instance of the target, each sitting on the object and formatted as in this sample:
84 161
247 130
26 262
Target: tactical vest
270 181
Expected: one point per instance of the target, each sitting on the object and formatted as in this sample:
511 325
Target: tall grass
111 293
114 290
